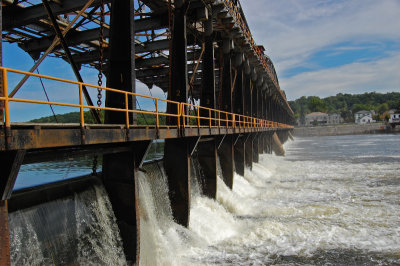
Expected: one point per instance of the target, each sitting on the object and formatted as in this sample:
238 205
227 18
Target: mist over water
330 200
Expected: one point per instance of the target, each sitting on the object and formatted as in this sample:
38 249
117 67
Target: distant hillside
74 117
346 104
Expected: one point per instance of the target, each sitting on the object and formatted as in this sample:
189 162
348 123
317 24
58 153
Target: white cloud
380 76
294 30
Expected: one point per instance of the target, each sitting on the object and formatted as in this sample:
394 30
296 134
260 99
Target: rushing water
77 230
331 200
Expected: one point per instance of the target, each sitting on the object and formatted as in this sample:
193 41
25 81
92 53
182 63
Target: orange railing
199 116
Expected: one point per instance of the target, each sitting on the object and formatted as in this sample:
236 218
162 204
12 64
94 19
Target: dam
223 109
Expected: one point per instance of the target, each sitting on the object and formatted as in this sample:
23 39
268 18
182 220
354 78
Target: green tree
358 107
383 108
315 104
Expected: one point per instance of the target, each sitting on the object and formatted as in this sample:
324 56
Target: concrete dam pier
224 103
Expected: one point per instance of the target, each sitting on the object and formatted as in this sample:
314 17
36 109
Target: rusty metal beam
27 137
47 155
4 235
255 146
226 159
249 151
207 156
239 154
120 170
78 37
148 47
16 16
50 48
177 168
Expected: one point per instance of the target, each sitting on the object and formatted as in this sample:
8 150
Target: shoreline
344 129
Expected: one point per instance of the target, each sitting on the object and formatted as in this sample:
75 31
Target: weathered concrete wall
335 130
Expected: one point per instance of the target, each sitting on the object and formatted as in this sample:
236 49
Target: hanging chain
101 52
100 75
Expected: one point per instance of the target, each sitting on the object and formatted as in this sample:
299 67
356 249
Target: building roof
363 112
316 114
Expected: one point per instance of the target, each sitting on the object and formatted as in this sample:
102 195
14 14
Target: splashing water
329 201
336 209
80 229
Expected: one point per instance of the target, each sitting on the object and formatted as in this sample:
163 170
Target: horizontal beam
89 57
16 16
61 137
162 60
47 155
78 37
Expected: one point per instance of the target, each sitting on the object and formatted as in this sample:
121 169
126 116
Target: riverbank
343 129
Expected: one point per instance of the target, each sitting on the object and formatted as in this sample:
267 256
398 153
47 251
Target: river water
331 200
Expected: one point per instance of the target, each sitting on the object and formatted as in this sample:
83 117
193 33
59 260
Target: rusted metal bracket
10 162
221 141
236 139
193 142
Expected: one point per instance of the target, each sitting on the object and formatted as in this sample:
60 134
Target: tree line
347 104
74 117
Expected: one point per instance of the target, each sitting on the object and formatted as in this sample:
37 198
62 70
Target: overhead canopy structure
27 23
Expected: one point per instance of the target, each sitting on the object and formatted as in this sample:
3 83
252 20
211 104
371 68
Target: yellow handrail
214 116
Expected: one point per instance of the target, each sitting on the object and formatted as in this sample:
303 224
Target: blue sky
319 47
323 47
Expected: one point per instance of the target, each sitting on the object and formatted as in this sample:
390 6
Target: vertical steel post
120 169
121 73
207 156
239 154
10 163
248 149
239 91
1 61
176 151
226 149
256 113
4 234
207 150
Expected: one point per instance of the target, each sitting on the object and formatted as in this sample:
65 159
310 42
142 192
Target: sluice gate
223 98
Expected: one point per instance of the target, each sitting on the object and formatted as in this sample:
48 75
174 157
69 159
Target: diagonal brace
67 51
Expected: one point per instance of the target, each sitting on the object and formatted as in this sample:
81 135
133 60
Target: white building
364 117
394 118
318 118
366 120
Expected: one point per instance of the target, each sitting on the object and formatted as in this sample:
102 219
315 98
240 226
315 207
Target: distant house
366 120
335 119
387 114
364 117
394 118
318 118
